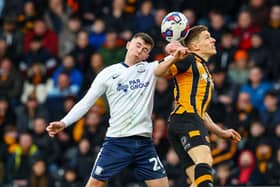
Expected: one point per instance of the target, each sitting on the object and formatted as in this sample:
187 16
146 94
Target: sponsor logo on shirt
115 76
132 85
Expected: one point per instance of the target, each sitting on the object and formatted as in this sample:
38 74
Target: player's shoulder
145 65
110 69
148 64
190 58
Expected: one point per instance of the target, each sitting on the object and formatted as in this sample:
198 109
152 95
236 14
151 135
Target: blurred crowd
51 50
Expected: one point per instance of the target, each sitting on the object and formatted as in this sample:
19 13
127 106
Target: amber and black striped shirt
193 85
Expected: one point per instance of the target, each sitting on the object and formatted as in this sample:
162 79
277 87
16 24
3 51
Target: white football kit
130 93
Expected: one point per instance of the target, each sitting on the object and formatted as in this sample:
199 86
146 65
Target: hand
181 53
172 46
55 127
231 134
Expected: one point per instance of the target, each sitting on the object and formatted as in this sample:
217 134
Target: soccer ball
174 27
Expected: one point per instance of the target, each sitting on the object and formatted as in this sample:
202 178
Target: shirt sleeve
181 66
96 89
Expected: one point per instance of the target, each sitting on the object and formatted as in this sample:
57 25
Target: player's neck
205 57
129 62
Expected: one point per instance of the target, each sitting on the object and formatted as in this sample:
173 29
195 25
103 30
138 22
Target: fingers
181 52
235 136
52 129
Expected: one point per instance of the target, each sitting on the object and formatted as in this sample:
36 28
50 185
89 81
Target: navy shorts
117 153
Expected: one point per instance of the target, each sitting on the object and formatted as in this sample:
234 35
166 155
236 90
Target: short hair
194 33
144 36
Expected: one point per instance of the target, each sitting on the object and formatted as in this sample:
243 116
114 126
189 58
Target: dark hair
147 38
272 93
194 33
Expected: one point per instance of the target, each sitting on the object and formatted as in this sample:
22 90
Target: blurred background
51 50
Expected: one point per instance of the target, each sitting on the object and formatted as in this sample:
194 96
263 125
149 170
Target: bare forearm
214 128
162 69
211 126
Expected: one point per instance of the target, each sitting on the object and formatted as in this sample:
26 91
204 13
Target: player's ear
194 46
127 44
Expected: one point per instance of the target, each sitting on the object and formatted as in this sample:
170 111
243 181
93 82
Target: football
174 27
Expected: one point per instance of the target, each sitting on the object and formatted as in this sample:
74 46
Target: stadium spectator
256 87
259 55
96 65
273 173
49 37
56 16
67 38
10 81
223 175
144 18
174 169
225 53
25 20
82 160
97 34
92 128
63 88
243 114
82 51
39 175
160 137
38 54
116 18
224 95
271 36
260 12
223 151
68 66
71 178
248 173
13 36
239 70
217 25
48 148
163 99
244 29
36 82
190 15
270 116
255 135
25 154
7 115
113 49
26 113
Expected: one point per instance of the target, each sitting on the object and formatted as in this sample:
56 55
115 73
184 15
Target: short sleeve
183 65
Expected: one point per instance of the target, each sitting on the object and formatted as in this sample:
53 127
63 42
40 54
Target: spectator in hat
239 70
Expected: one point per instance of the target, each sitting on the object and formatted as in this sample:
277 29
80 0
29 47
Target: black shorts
186 131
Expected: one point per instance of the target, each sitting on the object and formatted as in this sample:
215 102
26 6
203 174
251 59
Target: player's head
140 46
200 41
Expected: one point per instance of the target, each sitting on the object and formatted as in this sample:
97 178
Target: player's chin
214 51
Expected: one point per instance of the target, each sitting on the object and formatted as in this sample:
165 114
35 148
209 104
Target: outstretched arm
81 108
214 128
177 51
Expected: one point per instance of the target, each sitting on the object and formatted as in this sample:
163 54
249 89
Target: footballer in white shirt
129 87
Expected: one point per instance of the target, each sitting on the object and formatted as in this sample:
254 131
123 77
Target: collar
200 59
125 65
